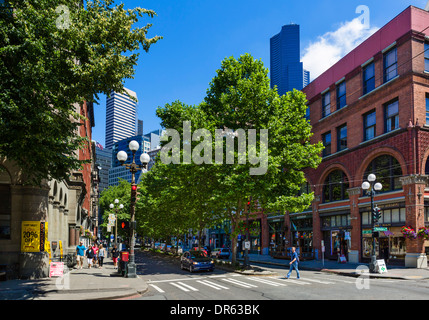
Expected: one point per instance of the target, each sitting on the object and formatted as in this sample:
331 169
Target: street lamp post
370 188
133 168
121 206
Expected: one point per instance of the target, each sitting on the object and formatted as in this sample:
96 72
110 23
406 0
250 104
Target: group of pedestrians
94 254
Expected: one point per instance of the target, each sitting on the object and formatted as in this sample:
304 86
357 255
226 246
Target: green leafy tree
53 55
240 97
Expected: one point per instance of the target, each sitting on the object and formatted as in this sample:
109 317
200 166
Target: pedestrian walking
293 263
115 255
90 256
101 255
95 249
80 254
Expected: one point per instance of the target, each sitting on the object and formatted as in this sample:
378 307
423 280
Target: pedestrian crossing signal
125 225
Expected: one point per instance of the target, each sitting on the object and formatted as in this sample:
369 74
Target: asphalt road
168 282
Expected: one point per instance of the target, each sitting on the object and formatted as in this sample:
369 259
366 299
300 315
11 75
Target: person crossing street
293 263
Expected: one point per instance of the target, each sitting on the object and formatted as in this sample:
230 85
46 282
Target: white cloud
332 46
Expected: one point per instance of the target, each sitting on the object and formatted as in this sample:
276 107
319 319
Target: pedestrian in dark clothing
90 256
115 255
293 263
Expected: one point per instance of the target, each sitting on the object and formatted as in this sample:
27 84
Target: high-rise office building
286 69
117 171
121 117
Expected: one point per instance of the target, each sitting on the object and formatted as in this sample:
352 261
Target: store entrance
383 248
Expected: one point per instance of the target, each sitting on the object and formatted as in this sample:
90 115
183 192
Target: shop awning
388 233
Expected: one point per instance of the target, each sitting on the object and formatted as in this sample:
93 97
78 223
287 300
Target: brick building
57 213
371 110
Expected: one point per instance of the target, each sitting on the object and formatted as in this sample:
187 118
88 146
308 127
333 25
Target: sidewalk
348 269
78 284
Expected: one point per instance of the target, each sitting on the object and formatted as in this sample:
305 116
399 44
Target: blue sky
198 35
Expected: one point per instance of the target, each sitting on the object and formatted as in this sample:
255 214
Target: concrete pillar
355 222
414 187
317 232
34 207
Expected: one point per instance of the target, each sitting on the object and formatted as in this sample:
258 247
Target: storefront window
389 246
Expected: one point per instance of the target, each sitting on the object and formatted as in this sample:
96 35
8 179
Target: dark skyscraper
286 69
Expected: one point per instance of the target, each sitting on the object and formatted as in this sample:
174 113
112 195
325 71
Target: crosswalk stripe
157 288
212 284
339 280
240 283
188 286
300 282
319 281
272 283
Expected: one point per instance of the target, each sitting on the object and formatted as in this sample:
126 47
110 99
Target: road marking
180 287
187 286
344 281
319 281
240 283
212 284
157 288
272 283
300 282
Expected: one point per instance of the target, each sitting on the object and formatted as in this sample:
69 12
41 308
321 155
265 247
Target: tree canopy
53 55
239 103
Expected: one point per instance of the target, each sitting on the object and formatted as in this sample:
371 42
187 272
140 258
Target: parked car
221 253
195 261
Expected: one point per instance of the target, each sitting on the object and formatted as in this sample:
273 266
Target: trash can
123 263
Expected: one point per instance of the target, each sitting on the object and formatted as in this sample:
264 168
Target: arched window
5 204
335 186
387 170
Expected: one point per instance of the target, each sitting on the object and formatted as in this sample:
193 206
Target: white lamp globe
371 177
144 158
122 156
111 206
365 185
134 145
116 201
378 186
121 206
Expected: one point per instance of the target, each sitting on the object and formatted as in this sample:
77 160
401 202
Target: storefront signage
380 266
34 235
30 236
56 269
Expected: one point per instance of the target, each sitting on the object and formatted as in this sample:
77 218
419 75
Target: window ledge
380 136
335 154
379 87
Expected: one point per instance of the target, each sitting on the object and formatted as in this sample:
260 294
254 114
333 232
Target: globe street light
370 188
121 206
133 168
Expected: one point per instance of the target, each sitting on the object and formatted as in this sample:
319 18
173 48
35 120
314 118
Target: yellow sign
34 236
61 249
30 236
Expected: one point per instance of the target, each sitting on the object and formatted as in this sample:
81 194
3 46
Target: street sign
247 245
380 229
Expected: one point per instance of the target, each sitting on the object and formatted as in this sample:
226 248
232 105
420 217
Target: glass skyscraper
286 69
121 117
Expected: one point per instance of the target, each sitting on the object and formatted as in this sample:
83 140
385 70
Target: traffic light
376 214
133 193
125 225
